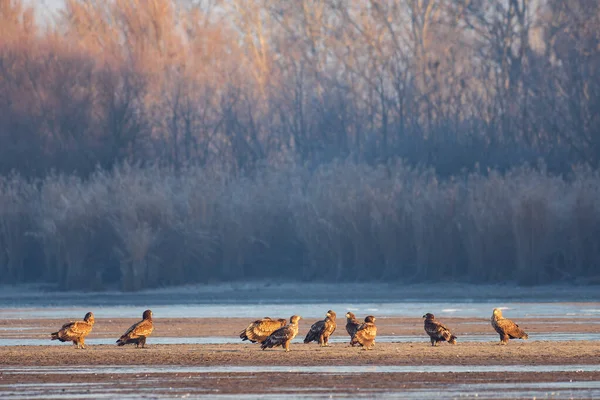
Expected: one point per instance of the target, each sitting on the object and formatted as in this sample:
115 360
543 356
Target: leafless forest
160 142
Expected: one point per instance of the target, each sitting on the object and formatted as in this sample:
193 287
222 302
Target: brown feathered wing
365 335
324 327
136 332
260 329
506 327
315 331
280 336
439 332
72 331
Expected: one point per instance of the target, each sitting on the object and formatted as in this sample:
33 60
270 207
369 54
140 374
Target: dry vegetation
146 143
147 226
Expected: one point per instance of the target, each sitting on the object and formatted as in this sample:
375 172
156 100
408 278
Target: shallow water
335 340
530 390
575 311
141 383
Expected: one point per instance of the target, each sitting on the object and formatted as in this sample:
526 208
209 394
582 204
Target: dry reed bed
144 227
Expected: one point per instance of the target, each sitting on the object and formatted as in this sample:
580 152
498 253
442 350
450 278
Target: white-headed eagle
506 328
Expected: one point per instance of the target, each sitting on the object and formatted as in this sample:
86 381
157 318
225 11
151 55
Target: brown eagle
282 336
321 330
351 325
437 331
138 332
506 328
260 329
365 334
75 331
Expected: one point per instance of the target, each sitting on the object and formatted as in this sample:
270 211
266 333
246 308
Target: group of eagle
278 332
77 331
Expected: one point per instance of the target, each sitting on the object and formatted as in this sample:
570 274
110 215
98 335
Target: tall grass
134 228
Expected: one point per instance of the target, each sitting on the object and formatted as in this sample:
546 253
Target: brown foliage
243 87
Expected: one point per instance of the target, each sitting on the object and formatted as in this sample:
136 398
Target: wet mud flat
196 352
522 369
248 384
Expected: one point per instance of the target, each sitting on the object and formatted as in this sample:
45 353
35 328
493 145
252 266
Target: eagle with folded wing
352 325
506 328
437 331
282 336
138 332
321 330
365 334
260 329
75 331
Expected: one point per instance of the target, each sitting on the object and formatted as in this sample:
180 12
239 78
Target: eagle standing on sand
351 325
75 331
282 336
365 334
506 328
138 332
437 331
321 330
260 329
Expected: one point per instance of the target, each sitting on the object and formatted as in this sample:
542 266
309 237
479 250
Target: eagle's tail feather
267 343
54 336
310 336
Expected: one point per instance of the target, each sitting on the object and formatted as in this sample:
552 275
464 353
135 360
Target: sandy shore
516 353
168 371
418 351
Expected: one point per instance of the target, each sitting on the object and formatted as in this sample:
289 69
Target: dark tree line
162 142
